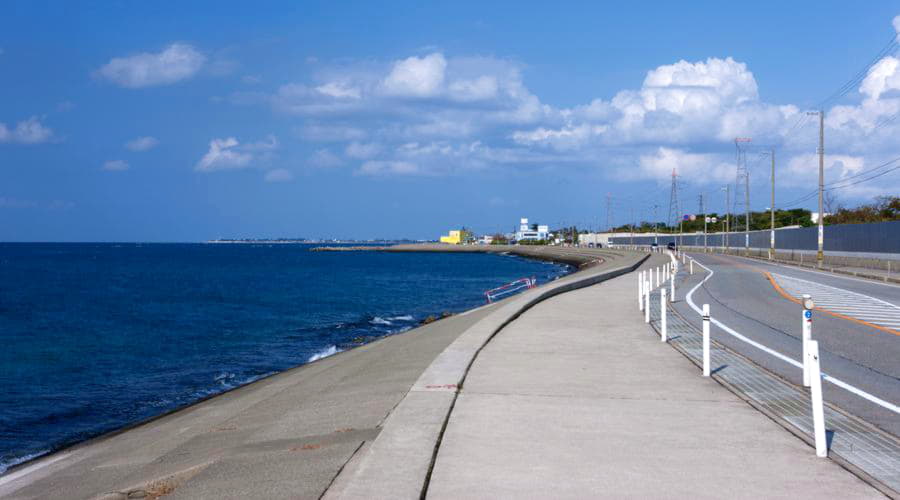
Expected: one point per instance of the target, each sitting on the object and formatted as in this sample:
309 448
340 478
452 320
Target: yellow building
453 238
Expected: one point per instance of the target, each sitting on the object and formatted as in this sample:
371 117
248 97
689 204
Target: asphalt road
858 345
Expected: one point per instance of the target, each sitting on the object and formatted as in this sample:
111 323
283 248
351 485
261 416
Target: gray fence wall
882 237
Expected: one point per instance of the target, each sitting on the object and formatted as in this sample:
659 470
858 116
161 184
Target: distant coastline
304 241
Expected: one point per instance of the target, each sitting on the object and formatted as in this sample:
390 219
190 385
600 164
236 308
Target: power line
842 183
887 50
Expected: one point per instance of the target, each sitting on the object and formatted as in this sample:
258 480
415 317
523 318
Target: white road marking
853 304
822 273
828 378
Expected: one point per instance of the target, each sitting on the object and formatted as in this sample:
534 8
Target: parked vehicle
671 246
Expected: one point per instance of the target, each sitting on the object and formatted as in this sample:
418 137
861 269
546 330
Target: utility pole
743 174
705 220
656 224
772 212
820 256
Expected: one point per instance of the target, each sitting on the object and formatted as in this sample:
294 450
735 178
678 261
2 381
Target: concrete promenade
579 399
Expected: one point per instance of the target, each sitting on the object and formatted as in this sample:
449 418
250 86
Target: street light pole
772 211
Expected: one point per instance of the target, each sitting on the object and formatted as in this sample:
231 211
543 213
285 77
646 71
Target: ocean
94 337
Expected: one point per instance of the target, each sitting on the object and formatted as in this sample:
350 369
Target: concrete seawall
289 435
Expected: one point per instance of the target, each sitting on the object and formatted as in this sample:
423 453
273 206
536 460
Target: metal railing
509 288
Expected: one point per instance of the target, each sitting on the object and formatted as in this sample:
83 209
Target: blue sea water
94 337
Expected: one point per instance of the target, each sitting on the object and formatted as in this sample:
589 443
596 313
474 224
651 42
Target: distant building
453 237
532 231
814 216
486 240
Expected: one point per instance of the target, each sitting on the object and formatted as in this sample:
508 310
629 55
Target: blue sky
140 121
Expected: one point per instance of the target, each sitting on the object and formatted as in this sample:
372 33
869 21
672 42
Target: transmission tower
742 186
674 209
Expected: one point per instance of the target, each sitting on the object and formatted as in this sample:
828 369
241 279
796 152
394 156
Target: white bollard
705 340
672 285
662 314
647 302
692 267
806 338
641 290
683 258
816 396
657 277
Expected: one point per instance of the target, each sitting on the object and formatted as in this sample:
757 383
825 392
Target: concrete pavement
577 399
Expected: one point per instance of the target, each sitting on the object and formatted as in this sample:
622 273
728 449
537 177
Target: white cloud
339 90
30 131
362 151
115 165
269 144
388 168
324 158
279 175
882 77
177 62
416 77
331 133
142 143
442 114
222 155
481 88
701 168
299 99
803 169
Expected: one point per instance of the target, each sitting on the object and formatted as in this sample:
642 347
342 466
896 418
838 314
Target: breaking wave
324 353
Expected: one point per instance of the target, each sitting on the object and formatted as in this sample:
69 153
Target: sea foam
324 353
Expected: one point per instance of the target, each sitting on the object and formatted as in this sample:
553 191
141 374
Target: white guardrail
810 361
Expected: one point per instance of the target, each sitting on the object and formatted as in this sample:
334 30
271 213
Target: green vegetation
758 220
885 208
499 239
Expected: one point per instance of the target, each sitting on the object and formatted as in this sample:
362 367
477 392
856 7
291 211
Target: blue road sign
807 314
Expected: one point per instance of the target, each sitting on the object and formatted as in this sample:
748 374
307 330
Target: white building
532 231
815 216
